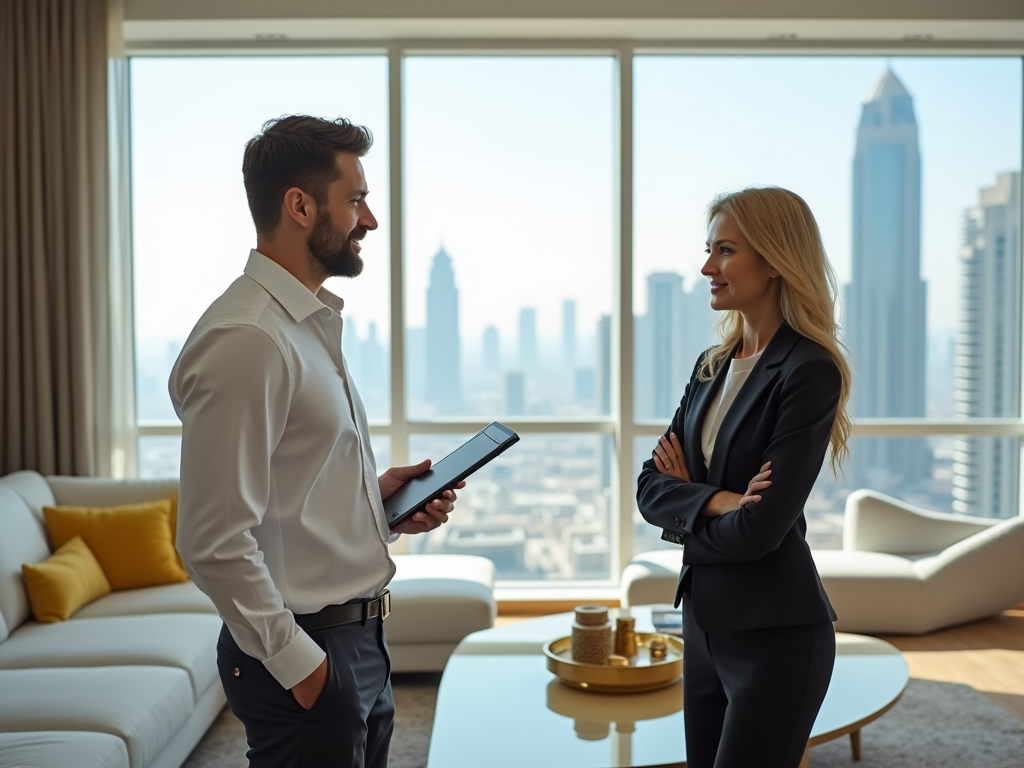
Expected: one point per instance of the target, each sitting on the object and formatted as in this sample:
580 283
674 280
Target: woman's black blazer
751 568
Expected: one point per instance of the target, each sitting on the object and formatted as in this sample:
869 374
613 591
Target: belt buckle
385 604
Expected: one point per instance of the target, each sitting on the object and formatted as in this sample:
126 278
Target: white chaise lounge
906 570
902 569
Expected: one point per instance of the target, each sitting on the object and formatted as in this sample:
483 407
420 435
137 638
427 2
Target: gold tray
641 675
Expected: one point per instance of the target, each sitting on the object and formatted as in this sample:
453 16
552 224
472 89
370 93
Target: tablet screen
446 473
464 457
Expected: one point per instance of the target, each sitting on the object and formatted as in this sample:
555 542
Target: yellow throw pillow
132 542
63 583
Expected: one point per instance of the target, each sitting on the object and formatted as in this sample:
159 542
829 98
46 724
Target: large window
912 168
515 194
510 206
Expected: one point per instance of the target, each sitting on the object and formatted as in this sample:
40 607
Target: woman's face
740 277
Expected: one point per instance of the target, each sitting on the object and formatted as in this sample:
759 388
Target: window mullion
622 355
399 423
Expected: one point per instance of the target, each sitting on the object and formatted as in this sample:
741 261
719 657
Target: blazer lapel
766 369
695 416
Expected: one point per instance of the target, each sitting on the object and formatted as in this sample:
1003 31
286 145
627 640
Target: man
280 517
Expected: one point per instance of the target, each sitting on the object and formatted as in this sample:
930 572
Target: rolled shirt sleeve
231 388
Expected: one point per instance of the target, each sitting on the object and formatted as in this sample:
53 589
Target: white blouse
738 372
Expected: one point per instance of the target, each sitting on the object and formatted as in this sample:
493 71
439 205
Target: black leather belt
333 615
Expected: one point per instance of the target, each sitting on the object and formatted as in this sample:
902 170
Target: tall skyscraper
678 326
372 377
664 329
492 348
443 372
987 367
885 300
569 333
583 386
515 393
528 339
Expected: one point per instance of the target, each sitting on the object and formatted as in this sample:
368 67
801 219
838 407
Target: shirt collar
288 291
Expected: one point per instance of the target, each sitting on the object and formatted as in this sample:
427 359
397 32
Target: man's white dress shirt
279 512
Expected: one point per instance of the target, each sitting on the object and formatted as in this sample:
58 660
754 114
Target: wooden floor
987 655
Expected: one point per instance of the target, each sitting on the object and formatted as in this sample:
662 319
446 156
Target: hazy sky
510 163
706 124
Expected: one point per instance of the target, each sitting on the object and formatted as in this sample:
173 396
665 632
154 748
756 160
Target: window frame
620 424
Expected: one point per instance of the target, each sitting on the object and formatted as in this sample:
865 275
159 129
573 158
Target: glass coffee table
498 705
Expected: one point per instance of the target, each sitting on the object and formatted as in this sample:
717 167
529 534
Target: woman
730 477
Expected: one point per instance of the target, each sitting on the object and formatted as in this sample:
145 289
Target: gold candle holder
658 647
625 637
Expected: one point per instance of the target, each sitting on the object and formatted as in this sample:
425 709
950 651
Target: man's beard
334 251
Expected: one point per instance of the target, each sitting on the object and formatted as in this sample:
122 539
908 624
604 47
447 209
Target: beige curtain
54 259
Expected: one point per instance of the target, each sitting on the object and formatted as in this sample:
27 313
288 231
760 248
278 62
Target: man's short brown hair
296 151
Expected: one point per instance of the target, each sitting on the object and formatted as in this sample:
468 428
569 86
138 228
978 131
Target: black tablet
445 474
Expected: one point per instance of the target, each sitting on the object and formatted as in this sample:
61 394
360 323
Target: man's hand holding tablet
434 515
418 498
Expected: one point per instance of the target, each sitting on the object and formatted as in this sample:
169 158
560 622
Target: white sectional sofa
130 680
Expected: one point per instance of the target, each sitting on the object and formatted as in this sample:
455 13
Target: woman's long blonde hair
781 228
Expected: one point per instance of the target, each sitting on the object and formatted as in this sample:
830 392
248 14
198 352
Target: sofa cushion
64 582
59 749
107 492
131 541
185 641
440 598
143 706
32 488
23 540
172 598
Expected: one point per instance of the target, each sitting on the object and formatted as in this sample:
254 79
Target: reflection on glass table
529 721
595 715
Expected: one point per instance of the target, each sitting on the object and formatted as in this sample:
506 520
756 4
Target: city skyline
544 511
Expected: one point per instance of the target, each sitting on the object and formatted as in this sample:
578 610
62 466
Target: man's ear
300 207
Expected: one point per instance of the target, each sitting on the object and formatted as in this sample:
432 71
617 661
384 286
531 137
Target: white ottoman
436 600
651 577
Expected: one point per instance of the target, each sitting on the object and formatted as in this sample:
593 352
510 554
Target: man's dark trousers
349 726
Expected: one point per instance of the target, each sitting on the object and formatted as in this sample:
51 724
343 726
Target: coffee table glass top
499 705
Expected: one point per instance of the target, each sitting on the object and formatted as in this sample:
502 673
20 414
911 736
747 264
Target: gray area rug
934 725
